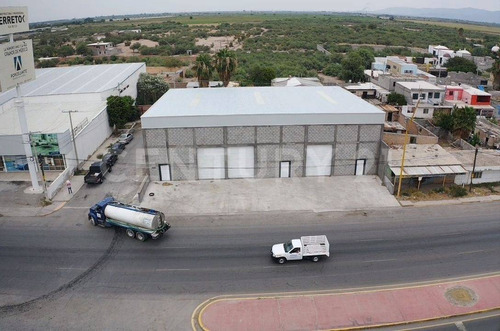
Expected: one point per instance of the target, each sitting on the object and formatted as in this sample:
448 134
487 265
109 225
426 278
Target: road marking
472 252
172 269
460 326
371 261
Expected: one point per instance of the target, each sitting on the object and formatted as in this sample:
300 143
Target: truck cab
96 213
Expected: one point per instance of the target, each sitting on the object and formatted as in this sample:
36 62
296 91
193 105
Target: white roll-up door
211 163
240 162
319 160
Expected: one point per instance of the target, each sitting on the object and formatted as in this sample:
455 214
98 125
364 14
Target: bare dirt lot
218 43
126 51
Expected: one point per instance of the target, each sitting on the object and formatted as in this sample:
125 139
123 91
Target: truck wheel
281 260
130 233
315 258
92 221
140 236
110 169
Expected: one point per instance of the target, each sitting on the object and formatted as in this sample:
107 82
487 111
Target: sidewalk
350 310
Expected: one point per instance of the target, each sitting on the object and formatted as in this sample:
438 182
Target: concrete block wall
272 144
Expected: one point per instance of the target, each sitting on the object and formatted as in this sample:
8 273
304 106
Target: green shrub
457 191
439 190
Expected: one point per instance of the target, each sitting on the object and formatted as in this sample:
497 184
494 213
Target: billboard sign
16 64
13 19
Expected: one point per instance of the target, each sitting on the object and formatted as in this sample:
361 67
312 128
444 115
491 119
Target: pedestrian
68 185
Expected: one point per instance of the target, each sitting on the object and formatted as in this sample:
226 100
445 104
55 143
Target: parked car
110 159
96 173
117 148
126 138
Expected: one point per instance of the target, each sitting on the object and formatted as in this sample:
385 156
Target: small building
261 132
428 96
468 96
425 167
296 81
103 49
487 169
368 91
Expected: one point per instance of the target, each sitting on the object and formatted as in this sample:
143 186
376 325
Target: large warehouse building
261 132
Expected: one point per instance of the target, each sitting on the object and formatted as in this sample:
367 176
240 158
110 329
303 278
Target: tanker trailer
138 222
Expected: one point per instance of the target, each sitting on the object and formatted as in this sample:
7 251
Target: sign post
17 67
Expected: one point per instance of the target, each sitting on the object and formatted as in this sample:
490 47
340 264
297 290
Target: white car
126 138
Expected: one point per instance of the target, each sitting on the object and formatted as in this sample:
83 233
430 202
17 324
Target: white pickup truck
307 247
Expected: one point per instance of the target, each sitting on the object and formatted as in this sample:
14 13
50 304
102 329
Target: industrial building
261 132
83 91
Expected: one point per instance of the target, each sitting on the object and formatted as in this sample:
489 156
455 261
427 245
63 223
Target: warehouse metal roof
75 80
424 160
248 106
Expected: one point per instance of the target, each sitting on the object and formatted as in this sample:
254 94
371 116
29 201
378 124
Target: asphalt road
103 279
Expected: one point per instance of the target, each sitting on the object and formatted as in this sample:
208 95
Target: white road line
371 261
460 326
472 252
172 269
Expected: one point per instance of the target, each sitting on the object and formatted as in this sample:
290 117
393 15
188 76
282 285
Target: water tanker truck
138 222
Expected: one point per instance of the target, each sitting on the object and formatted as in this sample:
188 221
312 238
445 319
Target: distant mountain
463 14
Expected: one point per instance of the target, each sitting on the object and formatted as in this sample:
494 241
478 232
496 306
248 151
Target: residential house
368 91
468 96
441 53
103 49
428 96
489 133
487 166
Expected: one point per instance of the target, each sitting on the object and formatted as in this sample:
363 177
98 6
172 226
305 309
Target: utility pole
73 135
404 146
473 170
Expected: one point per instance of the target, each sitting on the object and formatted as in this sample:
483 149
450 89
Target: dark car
126 138
117 148
110 159
96 173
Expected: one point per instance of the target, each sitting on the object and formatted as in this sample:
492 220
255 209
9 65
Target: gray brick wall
293 134
268 134
321 134
347 133
345 151
369 133
209 136
183 163
155 157
344 167
241 135
156 138
368 150
180 137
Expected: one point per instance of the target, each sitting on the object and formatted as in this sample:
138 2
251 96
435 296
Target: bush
439 190
457 191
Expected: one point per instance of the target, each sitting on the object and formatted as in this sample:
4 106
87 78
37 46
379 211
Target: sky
45 10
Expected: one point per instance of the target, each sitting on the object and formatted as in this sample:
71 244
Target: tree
333 69
367 57
443 120
495 70
121 110
464 121
225 64
203 68
135 46
65 50
396 99
460 64
352 68
150 88
261 76
83 49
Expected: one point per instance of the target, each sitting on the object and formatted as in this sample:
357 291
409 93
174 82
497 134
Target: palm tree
225 64
204 69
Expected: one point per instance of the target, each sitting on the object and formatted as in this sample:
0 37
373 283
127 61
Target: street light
73 134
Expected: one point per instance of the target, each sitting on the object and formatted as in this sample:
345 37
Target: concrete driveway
236 196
